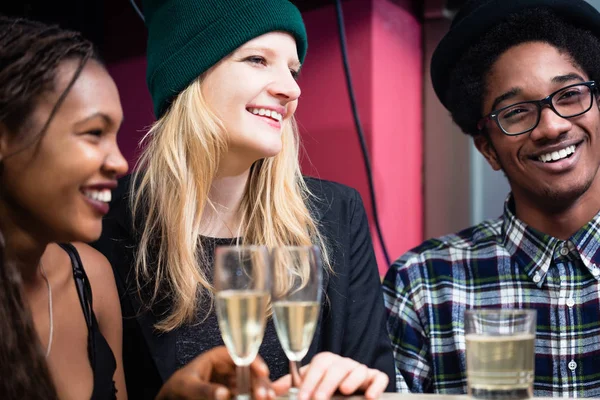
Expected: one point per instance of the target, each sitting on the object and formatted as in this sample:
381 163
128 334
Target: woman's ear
486 148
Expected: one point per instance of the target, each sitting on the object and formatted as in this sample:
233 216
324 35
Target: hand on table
328 372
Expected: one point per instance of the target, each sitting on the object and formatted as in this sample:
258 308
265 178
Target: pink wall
385 55
385 52
397 123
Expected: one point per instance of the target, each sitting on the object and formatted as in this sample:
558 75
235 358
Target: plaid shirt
499 263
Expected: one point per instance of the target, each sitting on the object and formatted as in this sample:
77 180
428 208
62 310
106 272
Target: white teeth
266 113
557 155
563 153
104 195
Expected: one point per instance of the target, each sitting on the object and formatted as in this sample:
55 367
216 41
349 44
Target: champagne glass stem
296 380
243 382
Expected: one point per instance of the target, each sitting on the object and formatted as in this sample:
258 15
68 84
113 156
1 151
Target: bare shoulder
95 264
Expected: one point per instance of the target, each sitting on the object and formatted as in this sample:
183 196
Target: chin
270 154
87 234
562 198
262 153
271 151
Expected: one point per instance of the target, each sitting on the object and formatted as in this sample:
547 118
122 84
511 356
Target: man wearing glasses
521 77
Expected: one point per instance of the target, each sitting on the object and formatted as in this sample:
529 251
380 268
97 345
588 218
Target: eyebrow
505 96
515 91
107 120
568 78
292 63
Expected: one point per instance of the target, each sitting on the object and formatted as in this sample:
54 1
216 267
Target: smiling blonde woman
220 166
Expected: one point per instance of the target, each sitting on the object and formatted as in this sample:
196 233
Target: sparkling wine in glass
296 298
242 284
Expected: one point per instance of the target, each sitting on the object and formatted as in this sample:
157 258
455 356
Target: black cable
361 136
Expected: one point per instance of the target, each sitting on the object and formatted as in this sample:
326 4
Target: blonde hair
172 183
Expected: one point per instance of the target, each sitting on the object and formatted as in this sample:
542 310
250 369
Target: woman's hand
328 372
212 376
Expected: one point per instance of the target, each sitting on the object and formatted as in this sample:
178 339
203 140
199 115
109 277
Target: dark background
113 25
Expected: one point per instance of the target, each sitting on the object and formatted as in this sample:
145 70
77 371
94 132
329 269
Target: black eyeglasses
520 118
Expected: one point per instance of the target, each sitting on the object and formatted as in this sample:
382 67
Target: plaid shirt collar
535 250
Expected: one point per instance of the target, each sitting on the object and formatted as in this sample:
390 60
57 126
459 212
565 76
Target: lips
99 195
100 206
104 195
558 160
275 115
272 118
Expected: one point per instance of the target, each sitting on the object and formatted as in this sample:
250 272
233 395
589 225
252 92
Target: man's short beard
555 201
551 200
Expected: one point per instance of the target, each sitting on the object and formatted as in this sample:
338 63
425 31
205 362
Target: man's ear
486 148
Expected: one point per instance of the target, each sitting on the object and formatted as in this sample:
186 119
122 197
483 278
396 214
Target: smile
104 195
263 112
557 155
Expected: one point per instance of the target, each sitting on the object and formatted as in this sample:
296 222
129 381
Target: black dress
352 322
100 354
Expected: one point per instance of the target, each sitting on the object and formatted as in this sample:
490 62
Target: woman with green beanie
220 166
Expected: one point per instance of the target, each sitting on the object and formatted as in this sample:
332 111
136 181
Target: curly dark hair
467 80
30 54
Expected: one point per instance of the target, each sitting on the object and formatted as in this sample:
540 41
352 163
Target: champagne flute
242 284
296 298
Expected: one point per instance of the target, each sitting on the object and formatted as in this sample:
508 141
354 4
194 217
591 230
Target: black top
352 321
100 354
204 333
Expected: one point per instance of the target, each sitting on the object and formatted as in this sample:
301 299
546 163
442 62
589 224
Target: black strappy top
100 354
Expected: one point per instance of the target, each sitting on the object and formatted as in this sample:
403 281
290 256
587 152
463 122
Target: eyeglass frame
546 101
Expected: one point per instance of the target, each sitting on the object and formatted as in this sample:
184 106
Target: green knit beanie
187 37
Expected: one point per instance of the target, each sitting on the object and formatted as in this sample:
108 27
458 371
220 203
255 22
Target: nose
115 163
551 126
285 87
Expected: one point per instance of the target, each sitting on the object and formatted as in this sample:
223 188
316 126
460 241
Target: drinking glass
296 298
500 351
242 284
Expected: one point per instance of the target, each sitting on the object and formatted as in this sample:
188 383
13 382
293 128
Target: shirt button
595 271
537 278
570 302
564 251
572 365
